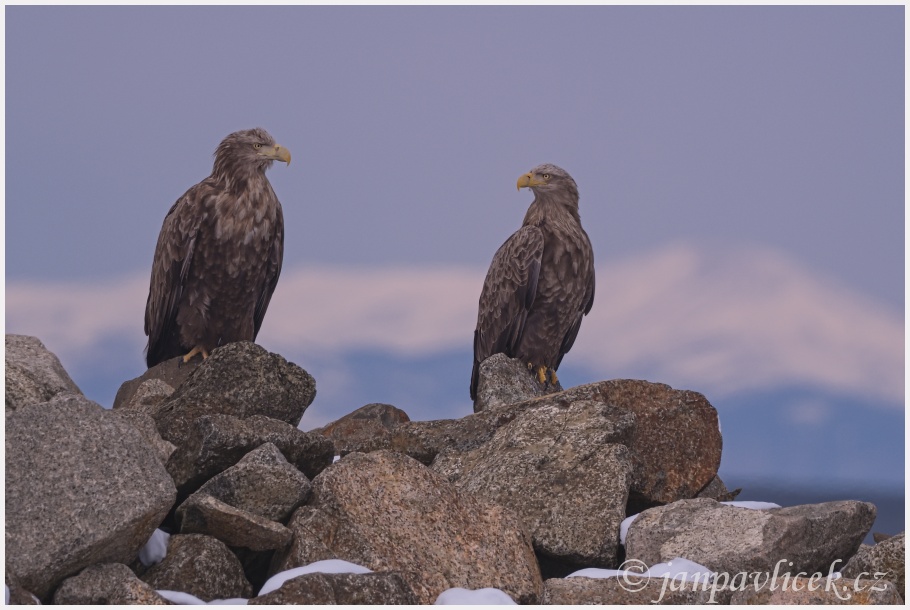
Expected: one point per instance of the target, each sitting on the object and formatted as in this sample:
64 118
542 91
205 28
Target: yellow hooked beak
528 180
276 153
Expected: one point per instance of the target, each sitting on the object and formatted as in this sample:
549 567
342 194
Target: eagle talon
554 380
544 375
193 352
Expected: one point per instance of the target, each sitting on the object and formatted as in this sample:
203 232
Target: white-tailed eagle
540 283
219 254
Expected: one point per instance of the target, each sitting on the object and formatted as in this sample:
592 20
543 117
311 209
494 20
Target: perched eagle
540 283
218 255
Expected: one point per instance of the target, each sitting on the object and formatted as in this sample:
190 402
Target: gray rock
311 541
21 597
239 379
369 428
149 394
244 505
91 476
731 539
562 471
33 374
146 425
675 443
217 442
107 583
377 588
820 591
716 490
201 566
578 591
504 381
172 373
263 483
386 511
17 595
307 451
884 560
424 440
203 514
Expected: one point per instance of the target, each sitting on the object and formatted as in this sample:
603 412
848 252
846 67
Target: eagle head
548 178
248 151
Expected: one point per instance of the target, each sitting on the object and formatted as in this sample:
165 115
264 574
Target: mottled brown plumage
540 283
219 254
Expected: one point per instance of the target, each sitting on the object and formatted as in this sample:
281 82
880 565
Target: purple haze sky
741 173
779 126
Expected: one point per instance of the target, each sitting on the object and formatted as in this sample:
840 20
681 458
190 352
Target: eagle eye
546 176
257 145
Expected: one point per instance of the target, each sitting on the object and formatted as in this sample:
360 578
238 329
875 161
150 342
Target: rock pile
515 497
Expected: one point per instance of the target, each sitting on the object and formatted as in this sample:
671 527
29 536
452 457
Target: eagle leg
536 371
196 350
544 375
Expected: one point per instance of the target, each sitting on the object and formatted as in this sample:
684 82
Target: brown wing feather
508 293
586 304
170 267
276 255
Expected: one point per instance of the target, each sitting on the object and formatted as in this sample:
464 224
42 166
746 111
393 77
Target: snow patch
188 599
477 597
752 504
155 549
326 566
599 573
624 528
178 597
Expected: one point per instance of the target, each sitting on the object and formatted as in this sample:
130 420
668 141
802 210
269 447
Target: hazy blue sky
409 125
741 173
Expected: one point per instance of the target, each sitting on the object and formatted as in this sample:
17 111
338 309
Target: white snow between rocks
478 597
155 549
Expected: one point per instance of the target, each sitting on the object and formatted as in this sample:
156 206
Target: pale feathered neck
229 167
238 175
553 205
